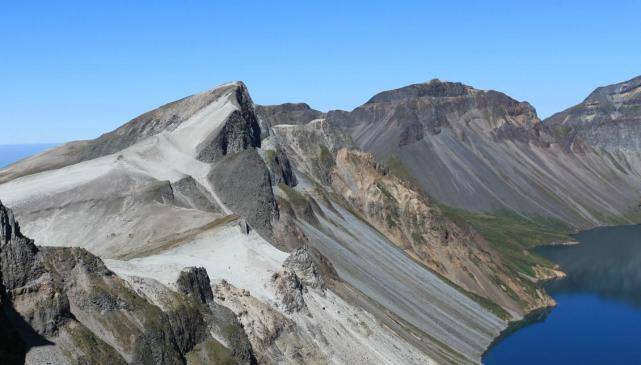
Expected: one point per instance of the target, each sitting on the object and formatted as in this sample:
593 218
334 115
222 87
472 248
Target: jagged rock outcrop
243 183
240 131
194 282
303 264
289 291
67 297
300 273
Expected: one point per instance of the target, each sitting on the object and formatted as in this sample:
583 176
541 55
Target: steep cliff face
486 152
609 119
408 218
356 215
418 226
414 112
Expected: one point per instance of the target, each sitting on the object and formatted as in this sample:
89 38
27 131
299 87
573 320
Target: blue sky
73 70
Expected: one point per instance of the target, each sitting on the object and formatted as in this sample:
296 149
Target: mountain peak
434 88
630 89
608 118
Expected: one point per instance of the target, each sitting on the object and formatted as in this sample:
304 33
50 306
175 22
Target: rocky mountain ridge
319 237
66 307
486 152
205 191
609 119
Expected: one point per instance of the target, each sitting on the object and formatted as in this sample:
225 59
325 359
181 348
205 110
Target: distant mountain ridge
609 118
486 152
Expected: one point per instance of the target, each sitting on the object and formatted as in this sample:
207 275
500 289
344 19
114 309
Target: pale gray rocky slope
455 328
172 194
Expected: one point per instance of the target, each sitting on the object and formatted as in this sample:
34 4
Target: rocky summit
608 119
215 231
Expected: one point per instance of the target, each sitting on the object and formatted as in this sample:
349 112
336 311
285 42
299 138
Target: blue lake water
598 317
16 152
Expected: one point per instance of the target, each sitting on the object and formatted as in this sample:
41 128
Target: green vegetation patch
326 157
512 235
398 169
295 197
270 155
634 216
94 350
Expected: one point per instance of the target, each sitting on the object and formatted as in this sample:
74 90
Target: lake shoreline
534 316
584 313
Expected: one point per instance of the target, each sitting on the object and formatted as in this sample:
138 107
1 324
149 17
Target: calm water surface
598 317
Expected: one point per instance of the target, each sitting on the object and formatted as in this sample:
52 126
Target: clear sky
76 69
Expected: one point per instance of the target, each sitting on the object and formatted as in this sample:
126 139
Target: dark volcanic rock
240 131
189 193
280 168
17 253
243 183
194 282
12 348
434 88
288 113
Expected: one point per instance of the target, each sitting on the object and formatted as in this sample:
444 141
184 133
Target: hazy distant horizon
10 153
